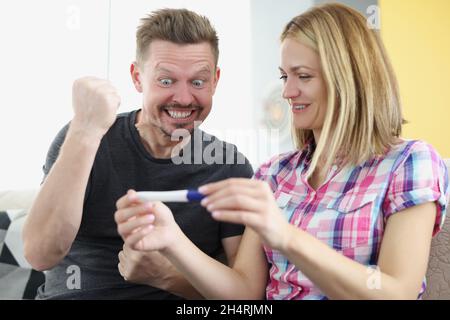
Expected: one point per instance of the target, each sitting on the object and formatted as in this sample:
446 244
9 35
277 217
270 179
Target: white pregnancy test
170 196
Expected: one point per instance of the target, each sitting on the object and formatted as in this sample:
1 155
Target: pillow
17 199
17 279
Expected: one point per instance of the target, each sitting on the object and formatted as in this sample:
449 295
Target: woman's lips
300 107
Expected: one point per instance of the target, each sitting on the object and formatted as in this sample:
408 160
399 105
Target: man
99 156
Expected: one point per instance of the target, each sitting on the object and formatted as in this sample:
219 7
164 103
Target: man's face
178 83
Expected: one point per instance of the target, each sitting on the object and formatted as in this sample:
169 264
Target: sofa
19 281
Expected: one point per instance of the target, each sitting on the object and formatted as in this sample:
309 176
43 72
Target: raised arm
55 216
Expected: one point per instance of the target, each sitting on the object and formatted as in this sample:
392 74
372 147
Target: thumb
160 208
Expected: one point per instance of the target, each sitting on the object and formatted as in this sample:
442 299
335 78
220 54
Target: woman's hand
248 202
145 226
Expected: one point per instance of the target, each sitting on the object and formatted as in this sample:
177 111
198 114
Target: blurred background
47 44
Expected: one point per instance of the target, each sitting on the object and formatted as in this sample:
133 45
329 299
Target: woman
348 215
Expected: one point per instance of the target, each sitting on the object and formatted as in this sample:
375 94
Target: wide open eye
198 83
166 82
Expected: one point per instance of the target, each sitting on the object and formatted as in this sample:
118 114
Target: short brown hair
179 26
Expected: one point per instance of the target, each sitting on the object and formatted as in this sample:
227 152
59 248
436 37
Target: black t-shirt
122 163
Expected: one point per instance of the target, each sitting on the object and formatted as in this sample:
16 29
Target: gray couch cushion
17 279
438 273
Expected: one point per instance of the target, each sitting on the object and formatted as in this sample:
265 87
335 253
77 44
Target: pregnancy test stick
171 196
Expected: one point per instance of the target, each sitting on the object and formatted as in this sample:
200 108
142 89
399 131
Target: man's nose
183 95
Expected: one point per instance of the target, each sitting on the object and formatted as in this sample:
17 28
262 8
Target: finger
246 218
126 251
128 227
213 187
128 199
125 214
121 270
233 190
135 240
102 85
237 202
121 256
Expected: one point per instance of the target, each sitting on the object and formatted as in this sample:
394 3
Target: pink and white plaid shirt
350 210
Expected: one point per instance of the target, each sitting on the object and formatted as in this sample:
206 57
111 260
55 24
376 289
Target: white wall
44 48
268 19
232 101
47 44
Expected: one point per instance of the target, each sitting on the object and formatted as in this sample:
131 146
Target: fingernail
210 207
203 189
148 205
150 217
132 196
204 202
215 214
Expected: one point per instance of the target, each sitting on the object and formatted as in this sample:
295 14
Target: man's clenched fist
95 103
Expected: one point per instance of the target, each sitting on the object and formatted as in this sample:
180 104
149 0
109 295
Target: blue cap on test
194 195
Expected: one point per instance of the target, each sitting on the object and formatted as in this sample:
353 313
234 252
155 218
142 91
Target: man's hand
149 268
95 103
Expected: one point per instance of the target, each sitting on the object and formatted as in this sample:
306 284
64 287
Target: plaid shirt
349 211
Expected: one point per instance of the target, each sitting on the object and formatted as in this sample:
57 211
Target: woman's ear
135 76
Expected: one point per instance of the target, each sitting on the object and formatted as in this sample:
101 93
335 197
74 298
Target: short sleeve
53 151
422 177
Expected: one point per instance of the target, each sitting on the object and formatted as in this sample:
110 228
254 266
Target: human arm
151 227
153 269
55 216
251 202
401 265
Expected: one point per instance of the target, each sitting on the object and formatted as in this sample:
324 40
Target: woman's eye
166 82
283 77
198 83
305 77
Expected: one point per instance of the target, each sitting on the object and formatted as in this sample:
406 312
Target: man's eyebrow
162 69
296 68
204 69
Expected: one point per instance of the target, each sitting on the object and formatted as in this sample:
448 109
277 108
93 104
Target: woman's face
304 86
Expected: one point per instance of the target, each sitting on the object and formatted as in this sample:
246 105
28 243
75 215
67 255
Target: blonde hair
363 117
179 26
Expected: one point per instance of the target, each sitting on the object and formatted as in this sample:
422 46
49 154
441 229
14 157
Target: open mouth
181 115
300 107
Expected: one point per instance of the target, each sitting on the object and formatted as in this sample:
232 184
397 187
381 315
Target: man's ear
136 76
216 79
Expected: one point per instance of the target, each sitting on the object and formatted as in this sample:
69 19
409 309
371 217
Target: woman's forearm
211 278
337 276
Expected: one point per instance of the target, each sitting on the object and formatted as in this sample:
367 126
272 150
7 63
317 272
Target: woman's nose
290 90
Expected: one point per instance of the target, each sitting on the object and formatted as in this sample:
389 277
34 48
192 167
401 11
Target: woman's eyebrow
296 68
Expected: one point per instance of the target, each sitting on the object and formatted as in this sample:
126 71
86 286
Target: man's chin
178 131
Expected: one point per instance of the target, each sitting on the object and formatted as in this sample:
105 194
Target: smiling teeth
179 114
300 107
